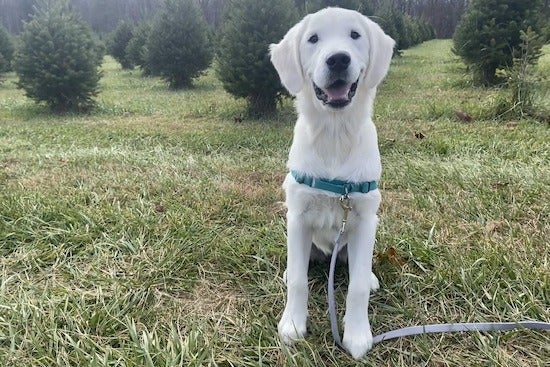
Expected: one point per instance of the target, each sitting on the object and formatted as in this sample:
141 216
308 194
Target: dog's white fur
332 143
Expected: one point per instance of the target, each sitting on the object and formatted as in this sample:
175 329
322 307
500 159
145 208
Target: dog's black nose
338 62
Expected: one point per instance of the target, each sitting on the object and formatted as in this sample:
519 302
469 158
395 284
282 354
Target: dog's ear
285 56
380 53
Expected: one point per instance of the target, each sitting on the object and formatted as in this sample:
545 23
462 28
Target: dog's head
333 53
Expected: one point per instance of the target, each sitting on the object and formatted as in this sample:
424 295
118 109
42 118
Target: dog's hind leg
374 283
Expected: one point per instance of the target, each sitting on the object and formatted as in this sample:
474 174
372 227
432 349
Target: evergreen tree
522 90
406 30
242 61
136 50
178 47
120 40
6 50
58 60
489 32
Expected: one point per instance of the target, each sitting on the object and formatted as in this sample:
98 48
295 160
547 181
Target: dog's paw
357 341
292 329
374 283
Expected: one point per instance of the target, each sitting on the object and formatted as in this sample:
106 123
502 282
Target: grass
151 233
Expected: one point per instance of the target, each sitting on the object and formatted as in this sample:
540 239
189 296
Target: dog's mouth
337 95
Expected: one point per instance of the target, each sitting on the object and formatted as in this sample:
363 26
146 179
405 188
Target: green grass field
151 233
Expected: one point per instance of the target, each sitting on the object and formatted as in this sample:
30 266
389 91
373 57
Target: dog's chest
324 216
326 213
322 213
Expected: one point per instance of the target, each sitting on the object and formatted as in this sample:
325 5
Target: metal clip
346 206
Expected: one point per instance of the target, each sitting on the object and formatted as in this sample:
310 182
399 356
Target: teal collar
335 186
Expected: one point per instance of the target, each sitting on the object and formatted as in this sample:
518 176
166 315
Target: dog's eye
313 39
355 35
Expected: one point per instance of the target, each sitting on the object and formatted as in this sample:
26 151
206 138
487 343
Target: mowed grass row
152 233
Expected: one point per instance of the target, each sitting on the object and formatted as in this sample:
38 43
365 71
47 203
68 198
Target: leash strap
331 301
413 330
470 326
346 207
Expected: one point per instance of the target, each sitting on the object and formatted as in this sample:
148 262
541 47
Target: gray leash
331 302
413 330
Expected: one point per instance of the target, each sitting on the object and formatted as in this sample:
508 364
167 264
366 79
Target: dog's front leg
293 322
357 333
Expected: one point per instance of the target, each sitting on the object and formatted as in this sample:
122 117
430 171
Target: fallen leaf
391 255
463 116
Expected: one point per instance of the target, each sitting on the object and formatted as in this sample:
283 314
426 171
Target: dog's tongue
338 91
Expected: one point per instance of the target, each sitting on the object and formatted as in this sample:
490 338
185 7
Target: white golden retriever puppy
332 61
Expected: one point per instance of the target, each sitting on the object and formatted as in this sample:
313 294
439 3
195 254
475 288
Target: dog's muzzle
338 94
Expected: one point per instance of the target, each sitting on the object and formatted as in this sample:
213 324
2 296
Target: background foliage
136 49
6 50
242 62
178 47
105 15
58 59
490 33
118 44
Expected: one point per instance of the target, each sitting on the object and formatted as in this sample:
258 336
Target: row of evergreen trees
179 33
58 57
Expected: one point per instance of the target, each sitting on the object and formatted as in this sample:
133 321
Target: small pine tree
427 30
386 20
178 47
488 32
120 40
6 50
518 98
392 22
58 60
136 50
242 60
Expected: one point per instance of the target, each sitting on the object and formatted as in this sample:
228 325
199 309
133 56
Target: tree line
104 15
178 44
58 53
